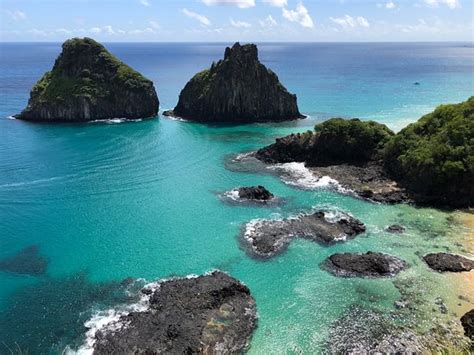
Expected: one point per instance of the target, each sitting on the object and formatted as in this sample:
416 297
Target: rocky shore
208 314
267 238
88 83
375 163
370 264
237 89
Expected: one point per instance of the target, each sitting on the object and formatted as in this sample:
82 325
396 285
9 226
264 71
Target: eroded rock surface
369 264
209 314
444 262
467 322
267 238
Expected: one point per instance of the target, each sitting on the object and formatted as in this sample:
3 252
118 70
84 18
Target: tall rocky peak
237 88
245 53
88 83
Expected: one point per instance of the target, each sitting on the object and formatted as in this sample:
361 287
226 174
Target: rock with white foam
267 238
213 313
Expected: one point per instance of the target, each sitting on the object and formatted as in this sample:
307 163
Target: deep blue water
103 202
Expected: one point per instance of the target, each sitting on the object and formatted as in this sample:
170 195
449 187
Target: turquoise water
108 201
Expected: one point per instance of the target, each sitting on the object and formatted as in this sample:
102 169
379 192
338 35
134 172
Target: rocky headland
88 83
237 89
444 262
428 162
370 264
209 314
267 238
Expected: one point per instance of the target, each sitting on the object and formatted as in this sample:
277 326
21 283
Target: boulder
88 83
258 193
444 262
467 322
369 264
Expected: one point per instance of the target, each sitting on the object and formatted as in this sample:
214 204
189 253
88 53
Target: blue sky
243 20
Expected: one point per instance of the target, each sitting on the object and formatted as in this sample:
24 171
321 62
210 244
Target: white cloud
452 4
269 21
390 5
145 2
202 19
36 32
147 30
63 31
300 15
16 15
243 4
154 24
277 3
240 24
95 30
351 22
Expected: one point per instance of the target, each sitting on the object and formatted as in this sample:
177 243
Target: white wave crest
297 174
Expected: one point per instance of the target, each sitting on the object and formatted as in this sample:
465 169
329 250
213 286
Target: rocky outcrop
236 89
27 261
267 238
208 314
467 322
444 262
370 264
257 193
88 83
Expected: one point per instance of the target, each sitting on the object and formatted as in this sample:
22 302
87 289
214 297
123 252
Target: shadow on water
27 261
49 315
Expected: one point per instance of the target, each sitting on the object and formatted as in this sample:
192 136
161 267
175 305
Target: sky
237 20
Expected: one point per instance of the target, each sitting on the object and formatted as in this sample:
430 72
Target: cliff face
236 89
88 83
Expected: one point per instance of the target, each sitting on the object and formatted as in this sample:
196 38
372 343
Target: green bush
348 141
435 156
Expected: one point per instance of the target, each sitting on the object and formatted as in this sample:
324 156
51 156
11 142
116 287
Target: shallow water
141 199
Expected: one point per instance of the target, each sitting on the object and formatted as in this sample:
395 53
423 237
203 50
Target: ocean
106 201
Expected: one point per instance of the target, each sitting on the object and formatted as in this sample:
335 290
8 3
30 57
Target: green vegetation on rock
87 82
348 141
435 156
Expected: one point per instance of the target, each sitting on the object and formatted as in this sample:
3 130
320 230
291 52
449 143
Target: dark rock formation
27 261
258 193
444 262
88 83
236 89
368 181
363 265
395 228
467 322
207 314
267 238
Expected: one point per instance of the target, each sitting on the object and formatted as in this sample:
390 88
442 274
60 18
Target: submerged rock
88 83
467 322
267 238
444 262
210 314
396 228
26 261
363 331
363 265
236 89
258 193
